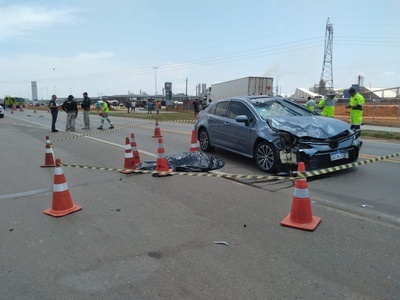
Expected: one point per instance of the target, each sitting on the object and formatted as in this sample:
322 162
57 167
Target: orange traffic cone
49 155
12 110
34 110
194 145
62 203
21 108
157 130
129 163
162 164
136 156
300 215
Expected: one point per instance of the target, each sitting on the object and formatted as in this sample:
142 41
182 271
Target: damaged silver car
277 133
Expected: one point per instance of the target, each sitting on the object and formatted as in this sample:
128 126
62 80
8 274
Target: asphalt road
141 237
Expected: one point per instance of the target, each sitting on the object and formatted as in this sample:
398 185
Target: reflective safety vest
310 105
105 107
328 107
356 113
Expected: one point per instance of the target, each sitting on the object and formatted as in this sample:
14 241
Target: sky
131 46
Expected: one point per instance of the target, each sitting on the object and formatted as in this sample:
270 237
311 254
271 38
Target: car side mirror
242 119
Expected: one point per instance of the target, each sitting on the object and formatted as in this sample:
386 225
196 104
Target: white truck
241 87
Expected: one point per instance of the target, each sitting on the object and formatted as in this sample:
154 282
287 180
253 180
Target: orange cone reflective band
300 215
162 164
49 155
194 144
157 130
129 162
62 203
136 156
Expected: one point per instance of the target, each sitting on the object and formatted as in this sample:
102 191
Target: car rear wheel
266 157
204 141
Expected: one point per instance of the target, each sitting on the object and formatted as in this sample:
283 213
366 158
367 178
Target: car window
269 109
221 108
238 108
212 110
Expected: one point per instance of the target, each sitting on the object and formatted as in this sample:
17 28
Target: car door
216 123
238 134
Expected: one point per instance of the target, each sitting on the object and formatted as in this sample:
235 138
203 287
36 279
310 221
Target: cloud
19 20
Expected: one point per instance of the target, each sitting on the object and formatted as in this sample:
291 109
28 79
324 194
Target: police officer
328 104
71 108
310 104
356 104
86 110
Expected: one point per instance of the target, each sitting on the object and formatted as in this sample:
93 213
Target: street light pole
155 79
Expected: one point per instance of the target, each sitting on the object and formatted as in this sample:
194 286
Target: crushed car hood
309 126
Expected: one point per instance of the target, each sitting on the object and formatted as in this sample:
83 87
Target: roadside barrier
136 155
62 203
162 164
300 215
194 144
48 155
157 130
129 163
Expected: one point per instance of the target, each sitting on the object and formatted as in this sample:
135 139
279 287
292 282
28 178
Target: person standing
158 106
127 105
356 104
310 104
86 110
328 104
196 107
133 106
54 112
105 108
71 108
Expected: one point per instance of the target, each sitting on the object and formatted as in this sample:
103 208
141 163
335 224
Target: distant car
277 133
1 112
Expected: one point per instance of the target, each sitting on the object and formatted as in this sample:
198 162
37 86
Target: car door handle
227 123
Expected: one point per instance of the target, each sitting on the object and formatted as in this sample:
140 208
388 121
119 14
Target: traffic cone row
300 215
194 144
162 164
129 162
136 155
157 130
49 155
62 202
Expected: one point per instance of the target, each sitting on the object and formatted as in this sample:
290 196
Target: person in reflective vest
356 104
310 104
328 104
105 108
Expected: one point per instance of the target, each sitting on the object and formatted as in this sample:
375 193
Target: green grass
386 135
164 116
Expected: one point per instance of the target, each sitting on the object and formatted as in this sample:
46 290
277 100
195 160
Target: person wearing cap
356 104
310 104
71 108
54 112
328 104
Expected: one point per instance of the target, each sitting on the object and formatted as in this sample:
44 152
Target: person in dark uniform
71 108
54 112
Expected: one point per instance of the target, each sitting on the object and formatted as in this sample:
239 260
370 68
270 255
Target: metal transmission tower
326 81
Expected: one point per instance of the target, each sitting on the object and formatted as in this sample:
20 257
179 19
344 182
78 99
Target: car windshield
268 108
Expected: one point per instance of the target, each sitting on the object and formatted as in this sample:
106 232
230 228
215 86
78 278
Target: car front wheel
204 141
266 157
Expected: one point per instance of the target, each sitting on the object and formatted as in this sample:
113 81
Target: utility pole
155 79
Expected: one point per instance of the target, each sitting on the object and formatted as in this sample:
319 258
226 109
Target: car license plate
340 154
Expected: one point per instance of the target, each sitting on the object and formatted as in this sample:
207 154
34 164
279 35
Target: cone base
305 226
61 213
156 136
163 173
48 166
128 171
